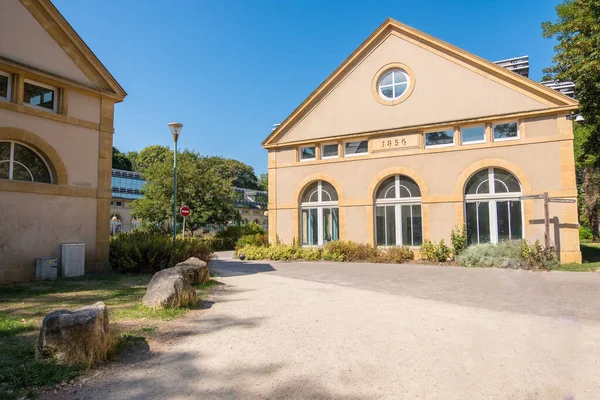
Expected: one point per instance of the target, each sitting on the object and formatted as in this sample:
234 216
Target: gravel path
275 335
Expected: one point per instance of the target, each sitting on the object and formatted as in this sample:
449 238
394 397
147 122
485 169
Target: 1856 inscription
398 142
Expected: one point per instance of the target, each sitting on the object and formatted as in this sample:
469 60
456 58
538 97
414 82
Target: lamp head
579 118
175 130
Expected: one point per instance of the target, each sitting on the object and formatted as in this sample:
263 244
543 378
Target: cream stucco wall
34 225
76 146
443 91
24 40
84 107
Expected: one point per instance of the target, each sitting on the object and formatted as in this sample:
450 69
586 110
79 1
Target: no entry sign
185 211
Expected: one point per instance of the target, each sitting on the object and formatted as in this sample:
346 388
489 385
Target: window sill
356 155
474 142
438 146
506 139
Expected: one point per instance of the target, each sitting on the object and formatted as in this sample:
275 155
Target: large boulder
75 337
169 288
195 270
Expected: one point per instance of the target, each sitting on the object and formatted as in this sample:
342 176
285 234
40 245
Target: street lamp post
175 131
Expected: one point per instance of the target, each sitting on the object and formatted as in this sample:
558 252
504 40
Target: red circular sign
185 211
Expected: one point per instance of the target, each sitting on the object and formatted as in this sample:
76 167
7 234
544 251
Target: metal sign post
184 212
547 200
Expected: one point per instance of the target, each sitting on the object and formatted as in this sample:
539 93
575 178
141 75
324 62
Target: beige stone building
410 137
56 126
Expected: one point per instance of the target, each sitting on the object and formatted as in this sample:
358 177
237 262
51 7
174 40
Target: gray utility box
72 259
46 268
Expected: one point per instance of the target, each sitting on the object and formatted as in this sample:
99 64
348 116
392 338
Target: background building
126 187
252 205
56 125
519 65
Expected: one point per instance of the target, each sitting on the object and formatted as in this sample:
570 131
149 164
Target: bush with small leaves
458 238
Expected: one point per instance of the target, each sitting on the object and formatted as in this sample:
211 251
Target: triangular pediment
449 84
34 33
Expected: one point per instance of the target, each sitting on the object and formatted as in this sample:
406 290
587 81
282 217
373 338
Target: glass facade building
127 184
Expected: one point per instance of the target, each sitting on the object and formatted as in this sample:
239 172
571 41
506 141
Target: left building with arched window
56 125
411 137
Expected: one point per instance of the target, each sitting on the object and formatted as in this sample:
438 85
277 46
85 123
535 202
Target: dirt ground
329 331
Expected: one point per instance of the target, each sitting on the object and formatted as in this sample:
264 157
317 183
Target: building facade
252 206
56 125
411 137
126 187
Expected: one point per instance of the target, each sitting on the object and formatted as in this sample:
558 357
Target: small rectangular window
356 148
508 131
112 203
473 134
39 95
308 153
4 85
440 138
329 151
119 203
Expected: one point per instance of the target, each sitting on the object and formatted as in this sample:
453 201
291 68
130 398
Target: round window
393 84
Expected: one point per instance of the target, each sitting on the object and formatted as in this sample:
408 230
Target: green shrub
508 254
585 233
458 238
352 251
146 252
435 252
536 257
397 255
332 251
258 239
228 237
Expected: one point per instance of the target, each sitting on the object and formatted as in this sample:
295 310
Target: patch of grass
21 374
126 341
24 305
139 312
10 325
590 254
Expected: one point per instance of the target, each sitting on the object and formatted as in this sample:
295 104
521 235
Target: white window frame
11 162
356 154
53 88
393 84
475 141
437 146
492 198
307 159
9 87
507 138
398 202
319 205
330 144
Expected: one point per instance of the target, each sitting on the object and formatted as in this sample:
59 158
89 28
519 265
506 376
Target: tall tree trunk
594 222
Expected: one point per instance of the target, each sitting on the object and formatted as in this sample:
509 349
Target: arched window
320 215
493 209
19 162
398 212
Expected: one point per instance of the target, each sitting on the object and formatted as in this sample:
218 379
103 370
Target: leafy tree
120 160
132 155
150 155
263 182
199 186
242 175
588 180
577 59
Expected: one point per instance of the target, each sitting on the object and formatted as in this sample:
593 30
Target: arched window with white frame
398 217
493 207
19 162
319 214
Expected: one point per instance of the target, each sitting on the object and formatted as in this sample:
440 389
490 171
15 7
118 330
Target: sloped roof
63 33
391 26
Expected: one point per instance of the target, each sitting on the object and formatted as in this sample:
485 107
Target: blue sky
229 70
